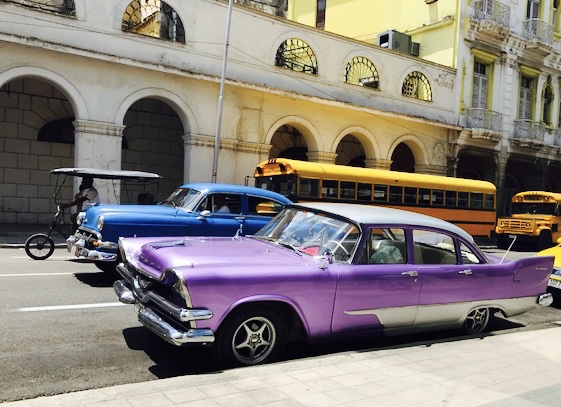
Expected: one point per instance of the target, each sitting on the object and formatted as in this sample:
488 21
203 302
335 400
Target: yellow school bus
468 203
535 219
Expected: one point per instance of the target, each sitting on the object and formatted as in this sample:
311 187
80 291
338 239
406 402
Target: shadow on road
172 361
96 278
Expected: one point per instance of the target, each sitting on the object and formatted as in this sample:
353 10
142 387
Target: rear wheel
477 321
39 246
252 336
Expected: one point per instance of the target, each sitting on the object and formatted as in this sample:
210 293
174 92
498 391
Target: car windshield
312 233
185 198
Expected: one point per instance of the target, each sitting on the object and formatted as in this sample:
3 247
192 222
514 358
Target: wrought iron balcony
538 30
484 119
528 132
492 11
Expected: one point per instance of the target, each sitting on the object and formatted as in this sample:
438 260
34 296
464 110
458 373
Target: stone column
98 145
322 157
378 163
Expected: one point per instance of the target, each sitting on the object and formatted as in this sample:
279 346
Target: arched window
295 54
361 71
153 18
416 85
547 105
64 7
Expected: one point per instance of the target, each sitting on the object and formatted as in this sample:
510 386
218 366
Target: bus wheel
544 241
503 243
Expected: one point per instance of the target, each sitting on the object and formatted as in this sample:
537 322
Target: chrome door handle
413 273
466 272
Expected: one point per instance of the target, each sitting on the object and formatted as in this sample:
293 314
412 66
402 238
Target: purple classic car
321 272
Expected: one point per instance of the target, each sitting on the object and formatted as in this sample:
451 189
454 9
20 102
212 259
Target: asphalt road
63 330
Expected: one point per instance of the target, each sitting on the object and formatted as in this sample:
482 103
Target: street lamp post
221 97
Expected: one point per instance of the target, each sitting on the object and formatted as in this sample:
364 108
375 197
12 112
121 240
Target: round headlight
100 222
81 218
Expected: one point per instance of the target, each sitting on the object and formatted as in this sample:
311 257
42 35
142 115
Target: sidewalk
514 369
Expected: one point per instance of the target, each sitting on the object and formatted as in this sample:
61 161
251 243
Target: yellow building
507 57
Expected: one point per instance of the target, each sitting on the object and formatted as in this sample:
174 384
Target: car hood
553 251
124 212
192 255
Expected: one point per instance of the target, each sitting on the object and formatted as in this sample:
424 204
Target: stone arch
418 149
155 143
188 119
308 131
366 138
66 87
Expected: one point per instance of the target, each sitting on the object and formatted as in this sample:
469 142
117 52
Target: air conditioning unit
398 41
415 49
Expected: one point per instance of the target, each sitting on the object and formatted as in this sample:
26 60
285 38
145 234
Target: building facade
507 55
122 84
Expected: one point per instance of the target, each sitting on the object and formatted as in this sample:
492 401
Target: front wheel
252 336
39 246
477 321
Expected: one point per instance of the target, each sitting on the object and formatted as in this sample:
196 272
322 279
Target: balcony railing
484 119
557 138
536 29
492 10
529 131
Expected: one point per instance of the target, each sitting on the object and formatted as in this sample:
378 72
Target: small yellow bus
470 204
535 219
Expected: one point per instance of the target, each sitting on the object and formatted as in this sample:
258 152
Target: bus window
380 193
451 198
410 195
329 188
476 200
438 197
463 199
424 196
347 190
396 194
488 201
309 188
364 192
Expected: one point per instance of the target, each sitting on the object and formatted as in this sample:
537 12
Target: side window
263 206
468 257
384 246
223 203
433 247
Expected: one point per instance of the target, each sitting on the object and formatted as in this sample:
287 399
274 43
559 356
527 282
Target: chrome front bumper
77 242
167 323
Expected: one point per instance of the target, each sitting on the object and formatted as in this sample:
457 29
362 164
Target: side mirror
204 214
325 260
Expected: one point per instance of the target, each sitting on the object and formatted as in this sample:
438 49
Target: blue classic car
322 272
192 210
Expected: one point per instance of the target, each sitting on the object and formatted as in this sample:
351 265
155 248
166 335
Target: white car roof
374 214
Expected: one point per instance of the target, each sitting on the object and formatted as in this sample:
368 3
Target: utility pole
221 97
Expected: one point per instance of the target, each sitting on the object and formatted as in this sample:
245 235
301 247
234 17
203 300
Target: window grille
362 72
416 85
295 54
153 18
